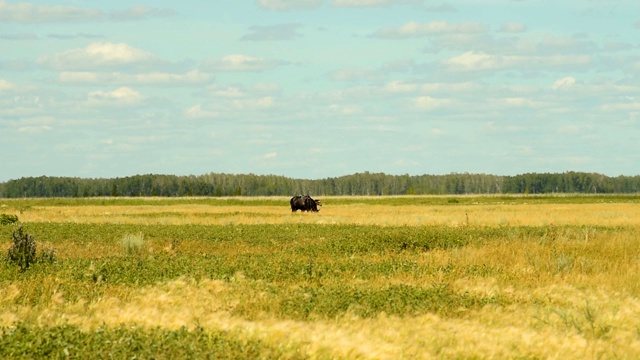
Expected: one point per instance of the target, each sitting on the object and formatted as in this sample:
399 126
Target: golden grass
603 214
555 321
570 298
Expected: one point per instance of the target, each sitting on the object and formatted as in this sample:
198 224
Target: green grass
302 238
291 262
453 200
69 342
574 282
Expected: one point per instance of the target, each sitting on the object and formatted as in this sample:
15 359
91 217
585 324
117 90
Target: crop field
413 277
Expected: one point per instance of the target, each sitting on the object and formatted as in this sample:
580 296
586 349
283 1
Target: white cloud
357 75
237 62
400 87
491 126
372 3
429 103
345 109
414 29
231 102
34 129
513 28
563 83
288 4
524 149
452 88
479 61
266 101
77 35
473 61
144 139
97 55
28 13
267 88
239 91
442 8
228 92
155 78
572 129
359 3
140 12
6 85
120 96
232 105
270 155
19 37
516 101
25 12
309 4
34 125
196 112
562 44
628 106
272 33
259 103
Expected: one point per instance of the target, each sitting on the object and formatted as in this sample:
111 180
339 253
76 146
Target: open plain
416 277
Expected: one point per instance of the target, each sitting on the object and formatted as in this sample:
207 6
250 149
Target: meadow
413 277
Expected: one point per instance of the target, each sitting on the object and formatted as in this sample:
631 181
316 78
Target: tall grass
338 284
410 214
133 244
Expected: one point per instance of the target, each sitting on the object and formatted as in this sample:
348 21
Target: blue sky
318 88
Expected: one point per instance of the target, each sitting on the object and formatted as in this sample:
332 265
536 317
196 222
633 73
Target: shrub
8 219
133 244
23 250
47 255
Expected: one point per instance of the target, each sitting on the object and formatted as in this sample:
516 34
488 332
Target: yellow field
573 294
516 214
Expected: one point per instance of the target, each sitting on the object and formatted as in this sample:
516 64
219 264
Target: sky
311 89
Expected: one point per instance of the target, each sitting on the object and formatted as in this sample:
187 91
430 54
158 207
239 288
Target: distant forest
366 183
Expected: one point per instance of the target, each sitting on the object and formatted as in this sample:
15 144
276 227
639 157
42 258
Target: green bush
23 250
8 219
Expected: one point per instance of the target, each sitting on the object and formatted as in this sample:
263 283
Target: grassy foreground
383 278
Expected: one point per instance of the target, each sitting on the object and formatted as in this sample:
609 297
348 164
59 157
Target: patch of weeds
47 254
133 244
174 246
585 322
483 270
398 300
69 342
23 251
564 263
8 219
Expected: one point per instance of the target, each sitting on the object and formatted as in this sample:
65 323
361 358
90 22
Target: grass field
487 277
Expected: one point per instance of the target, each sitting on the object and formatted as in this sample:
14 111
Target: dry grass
602 214
558 326
569 298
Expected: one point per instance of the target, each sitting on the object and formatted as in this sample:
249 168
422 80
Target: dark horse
304 203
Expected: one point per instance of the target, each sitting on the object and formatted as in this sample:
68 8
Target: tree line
218 184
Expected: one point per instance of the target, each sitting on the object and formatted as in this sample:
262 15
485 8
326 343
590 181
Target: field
482 277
